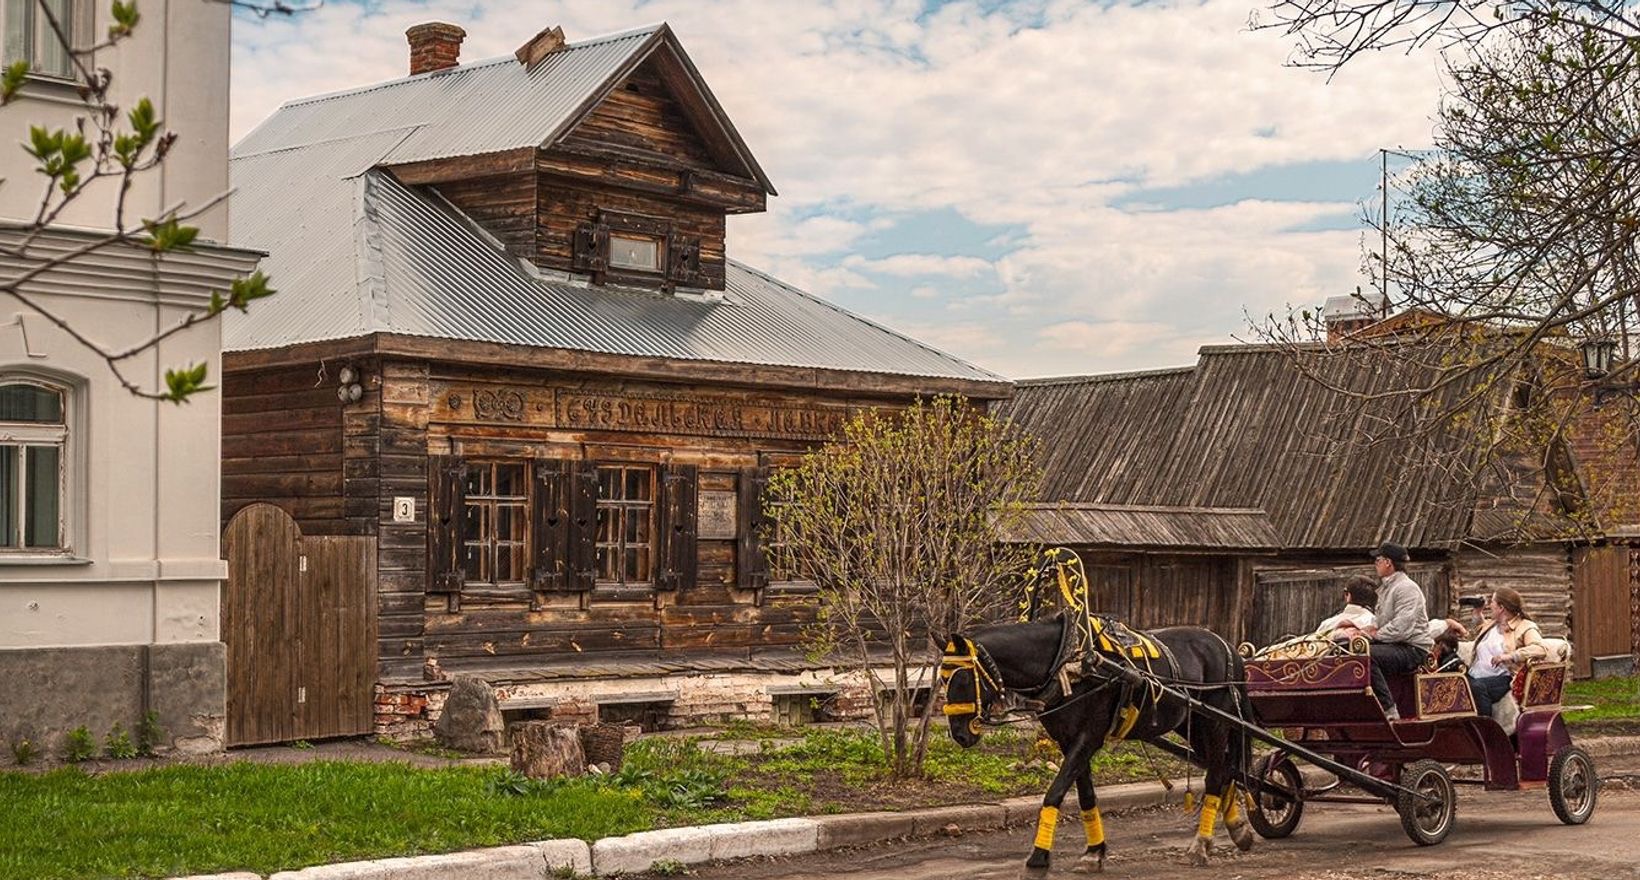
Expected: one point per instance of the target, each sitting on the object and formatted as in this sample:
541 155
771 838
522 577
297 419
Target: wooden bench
647 709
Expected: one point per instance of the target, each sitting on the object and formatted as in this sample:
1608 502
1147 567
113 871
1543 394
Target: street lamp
1598 353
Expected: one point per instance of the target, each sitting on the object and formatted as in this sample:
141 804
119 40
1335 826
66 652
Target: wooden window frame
23 436
624 508
79 27
490 504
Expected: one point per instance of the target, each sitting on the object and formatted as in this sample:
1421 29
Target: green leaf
125 18
245 290
12 79
169 235
182 384
143 121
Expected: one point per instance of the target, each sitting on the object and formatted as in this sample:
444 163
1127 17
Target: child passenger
1360 597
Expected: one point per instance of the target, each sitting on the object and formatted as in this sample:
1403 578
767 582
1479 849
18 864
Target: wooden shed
511 348
1243 437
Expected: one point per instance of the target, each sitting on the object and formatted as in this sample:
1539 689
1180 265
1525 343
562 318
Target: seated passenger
1360 597
1503 646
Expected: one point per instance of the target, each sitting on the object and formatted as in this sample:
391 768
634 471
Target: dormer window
636 253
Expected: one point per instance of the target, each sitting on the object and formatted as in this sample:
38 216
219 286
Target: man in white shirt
1401 639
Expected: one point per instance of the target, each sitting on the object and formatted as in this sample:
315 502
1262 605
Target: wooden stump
547 750
604 744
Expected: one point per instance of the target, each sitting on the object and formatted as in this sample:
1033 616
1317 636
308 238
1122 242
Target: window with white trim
33 453
30 37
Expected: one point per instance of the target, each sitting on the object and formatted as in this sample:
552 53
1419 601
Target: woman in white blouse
1501 647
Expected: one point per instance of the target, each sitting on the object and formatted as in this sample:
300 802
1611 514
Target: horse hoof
1090 864
1037 863
1243 836
1198 852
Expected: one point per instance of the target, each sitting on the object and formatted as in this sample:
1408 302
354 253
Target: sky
1037 187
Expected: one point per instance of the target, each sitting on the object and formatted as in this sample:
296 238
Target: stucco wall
178 59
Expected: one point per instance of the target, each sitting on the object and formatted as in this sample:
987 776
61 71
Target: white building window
30 37
33 454
641 253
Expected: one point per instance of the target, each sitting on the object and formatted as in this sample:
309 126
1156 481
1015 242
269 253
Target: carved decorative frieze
709 416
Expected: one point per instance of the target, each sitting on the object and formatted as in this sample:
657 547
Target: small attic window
638 253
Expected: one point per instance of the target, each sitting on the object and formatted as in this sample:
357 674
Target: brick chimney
434 46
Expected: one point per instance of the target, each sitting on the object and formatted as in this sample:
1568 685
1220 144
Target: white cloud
1034 115
955 266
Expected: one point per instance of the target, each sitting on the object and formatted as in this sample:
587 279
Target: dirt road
1499 836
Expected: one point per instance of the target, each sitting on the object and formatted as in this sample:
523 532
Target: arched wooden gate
299 620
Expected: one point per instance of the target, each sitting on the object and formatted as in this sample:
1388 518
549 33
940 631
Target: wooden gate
1600 605
299 621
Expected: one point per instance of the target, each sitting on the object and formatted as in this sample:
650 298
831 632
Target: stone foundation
406 711
51 691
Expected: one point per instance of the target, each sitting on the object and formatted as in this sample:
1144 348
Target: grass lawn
1614 699
267 817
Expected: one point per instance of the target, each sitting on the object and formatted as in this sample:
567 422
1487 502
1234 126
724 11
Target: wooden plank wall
1602 624
641 117
503 204
1152 591
561 207
1291 598
282 444
299 621
387 450
1542 574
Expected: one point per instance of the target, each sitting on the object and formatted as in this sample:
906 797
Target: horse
1002 668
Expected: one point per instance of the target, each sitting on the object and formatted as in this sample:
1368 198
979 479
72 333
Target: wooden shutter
751 565
583 525
550 527
446 508
675 527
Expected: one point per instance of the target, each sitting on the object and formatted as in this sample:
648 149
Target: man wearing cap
1401 641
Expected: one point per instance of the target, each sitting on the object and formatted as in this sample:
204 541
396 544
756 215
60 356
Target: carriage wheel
1573 785
1275 815
1427 822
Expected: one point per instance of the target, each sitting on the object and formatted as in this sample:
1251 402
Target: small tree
899 522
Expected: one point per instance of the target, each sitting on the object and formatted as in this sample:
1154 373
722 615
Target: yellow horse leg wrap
1095 826
1045 823
1210 813
1232 805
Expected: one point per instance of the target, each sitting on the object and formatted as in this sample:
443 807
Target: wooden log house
511 349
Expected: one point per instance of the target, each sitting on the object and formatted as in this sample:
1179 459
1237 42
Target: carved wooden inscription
691 415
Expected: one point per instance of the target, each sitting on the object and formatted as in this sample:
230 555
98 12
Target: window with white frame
29 35
33 452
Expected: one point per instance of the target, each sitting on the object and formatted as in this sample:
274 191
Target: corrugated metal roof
355 253
1113 525
477 108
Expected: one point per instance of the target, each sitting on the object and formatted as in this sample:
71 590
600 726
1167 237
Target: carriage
1324 706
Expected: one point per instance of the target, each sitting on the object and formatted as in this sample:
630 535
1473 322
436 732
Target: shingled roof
353 251
1244 430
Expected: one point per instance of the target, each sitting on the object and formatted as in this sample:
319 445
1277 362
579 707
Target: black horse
1005 667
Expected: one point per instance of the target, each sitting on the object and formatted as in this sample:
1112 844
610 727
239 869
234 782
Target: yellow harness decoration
1232 805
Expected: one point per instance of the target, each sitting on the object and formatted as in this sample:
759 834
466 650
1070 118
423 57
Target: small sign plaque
404 509
715 515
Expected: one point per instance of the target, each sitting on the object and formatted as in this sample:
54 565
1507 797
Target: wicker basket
604 744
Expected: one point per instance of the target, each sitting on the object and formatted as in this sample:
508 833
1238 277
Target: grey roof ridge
369 269
486 62
870 323
1260 347
234 156
1089 378
1145 508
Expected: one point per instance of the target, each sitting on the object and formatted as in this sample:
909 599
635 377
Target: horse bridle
965 654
